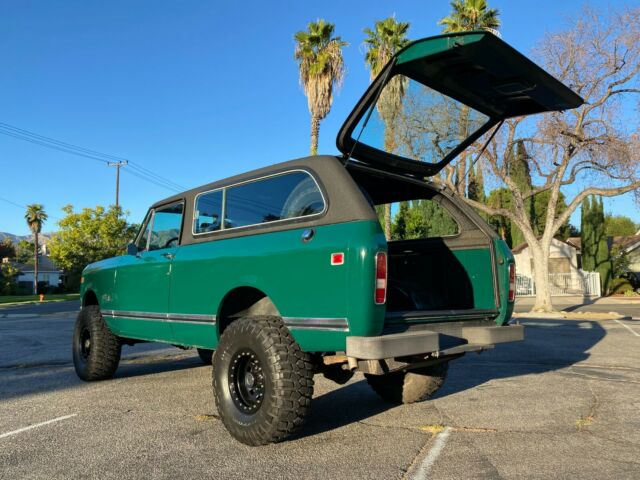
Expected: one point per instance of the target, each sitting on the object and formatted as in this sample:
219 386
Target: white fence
578 283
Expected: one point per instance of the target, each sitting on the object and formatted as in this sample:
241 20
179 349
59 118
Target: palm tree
469 15
319 56
35 217
382 43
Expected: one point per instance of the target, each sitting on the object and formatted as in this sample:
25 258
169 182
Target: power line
150 180
37 136
77 150
24 207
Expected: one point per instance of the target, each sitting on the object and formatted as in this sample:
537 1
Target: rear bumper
425 342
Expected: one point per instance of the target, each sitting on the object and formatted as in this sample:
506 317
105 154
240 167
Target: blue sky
192 90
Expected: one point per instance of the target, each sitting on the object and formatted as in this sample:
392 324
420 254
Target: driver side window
165 227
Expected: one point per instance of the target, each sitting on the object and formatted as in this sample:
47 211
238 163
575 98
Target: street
564 403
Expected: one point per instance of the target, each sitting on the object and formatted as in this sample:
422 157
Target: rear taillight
380 295
512 282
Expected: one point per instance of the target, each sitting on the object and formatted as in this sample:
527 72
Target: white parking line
20 430
628 328
432 456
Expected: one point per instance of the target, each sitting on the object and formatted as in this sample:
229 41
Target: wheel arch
90 298
243 302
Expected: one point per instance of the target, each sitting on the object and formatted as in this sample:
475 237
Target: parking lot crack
588 419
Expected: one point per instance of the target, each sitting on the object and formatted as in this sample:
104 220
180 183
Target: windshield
417 122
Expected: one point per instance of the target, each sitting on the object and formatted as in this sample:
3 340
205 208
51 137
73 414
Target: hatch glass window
207 215
271 199
165 227
417 122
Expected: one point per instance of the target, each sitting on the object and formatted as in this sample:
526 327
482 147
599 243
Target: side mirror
132 249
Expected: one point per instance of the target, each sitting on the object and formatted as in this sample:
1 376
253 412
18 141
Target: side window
165 227
144 237
208 212
280 197
418 219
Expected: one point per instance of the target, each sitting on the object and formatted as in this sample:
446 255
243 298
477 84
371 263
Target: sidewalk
580 300
582 308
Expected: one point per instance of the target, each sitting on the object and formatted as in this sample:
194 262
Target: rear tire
411 386
96 351
262 380
205 355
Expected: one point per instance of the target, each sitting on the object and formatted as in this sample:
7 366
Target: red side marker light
337 258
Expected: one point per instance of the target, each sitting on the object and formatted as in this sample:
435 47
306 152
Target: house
48 273
565 275
563 258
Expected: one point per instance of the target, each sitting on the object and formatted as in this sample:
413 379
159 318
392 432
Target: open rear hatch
440 94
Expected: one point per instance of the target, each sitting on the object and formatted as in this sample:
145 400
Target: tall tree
591 150
603 255
587 236
619 225
321 68
383 41
467 15
7 249
519 172
470 15
24 252
88 236
35 217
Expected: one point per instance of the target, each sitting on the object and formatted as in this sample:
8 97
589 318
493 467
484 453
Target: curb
573 315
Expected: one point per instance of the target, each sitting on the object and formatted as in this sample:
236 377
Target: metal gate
562 284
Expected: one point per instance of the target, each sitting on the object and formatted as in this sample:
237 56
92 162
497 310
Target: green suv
284 272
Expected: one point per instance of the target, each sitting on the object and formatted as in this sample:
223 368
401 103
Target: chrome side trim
298 323
164 317
317 323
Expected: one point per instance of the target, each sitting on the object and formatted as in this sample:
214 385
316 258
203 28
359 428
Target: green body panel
296 276
504 258
477 264
434 45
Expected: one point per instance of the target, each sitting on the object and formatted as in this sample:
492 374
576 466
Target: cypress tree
476 184
480 183
521 176
587 237
602 254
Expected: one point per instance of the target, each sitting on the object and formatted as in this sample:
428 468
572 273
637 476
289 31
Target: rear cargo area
432 276
427 275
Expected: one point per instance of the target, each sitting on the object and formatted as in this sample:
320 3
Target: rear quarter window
270 199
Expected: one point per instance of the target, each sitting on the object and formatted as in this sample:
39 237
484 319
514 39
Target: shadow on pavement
43 377
549 345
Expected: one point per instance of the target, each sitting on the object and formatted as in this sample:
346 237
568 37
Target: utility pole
117 165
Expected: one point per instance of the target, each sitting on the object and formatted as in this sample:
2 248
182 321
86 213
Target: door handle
168 256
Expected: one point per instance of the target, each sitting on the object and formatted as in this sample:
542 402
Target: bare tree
595 148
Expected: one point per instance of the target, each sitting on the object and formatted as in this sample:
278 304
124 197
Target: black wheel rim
84 346
246 381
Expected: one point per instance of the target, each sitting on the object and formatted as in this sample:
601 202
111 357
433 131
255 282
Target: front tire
96 351
262 381
411 386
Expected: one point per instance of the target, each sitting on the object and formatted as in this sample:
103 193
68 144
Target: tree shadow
580 303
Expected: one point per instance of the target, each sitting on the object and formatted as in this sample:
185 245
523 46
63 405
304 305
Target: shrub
620 286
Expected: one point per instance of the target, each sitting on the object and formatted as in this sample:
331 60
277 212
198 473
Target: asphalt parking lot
563 404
